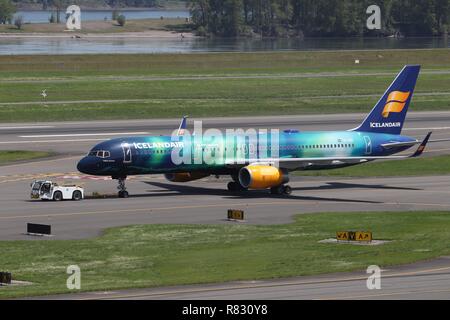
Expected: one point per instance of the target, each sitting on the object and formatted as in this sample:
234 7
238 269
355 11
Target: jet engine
262 177
185 176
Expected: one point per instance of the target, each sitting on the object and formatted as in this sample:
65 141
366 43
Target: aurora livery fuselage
152 155
261 159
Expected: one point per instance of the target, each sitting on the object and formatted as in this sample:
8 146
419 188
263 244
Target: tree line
313 18
8 7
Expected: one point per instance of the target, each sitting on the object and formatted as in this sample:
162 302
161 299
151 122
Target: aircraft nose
84 166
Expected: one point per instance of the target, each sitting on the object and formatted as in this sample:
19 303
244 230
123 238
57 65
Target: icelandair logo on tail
396 101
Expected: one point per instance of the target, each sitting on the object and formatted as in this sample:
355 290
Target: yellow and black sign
235 214
364 236
354 236
342 235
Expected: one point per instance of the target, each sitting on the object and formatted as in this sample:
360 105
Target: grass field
82 87
159 255
423 166
7 157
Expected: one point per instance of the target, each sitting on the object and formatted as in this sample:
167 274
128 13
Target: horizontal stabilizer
422 146
392 145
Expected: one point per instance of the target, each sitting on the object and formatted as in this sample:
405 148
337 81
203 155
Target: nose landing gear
123 193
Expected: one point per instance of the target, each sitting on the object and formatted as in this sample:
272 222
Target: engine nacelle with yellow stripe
262 177
185 176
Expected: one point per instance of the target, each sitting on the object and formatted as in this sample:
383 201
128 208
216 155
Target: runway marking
60 175
431 128
82 134
262 286
385 294
37 162
50 141
26 127
149 209
437 150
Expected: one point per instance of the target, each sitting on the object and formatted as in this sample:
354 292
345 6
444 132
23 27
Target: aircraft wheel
123 194
276 190
232 186
287 190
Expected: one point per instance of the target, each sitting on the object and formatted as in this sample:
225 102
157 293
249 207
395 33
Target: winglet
421 148
182 126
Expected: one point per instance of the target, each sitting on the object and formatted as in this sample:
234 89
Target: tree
121 20
58 5
231 18
52 18
18 22
442 15
7 10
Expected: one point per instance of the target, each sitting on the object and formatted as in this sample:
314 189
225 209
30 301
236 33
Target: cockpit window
99 153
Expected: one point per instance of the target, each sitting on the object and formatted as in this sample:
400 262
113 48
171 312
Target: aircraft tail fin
388 115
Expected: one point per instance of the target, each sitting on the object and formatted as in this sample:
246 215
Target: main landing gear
282 189
123 193
235 186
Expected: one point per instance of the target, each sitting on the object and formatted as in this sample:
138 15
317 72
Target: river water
186 45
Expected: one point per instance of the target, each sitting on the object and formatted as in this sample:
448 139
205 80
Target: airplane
378 137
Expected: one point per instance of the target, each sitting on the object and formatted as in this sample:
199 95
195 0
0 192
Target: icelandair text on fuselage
145 145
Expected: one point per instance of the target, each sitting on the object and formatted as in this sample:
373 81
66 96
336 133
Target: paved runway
155 200
423 280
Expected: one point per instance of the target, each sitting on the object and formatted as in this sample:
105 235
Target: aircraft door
368 144
127 157
252 150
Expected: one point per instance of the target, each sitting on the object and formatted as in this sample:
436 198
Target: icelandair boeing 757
265 161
